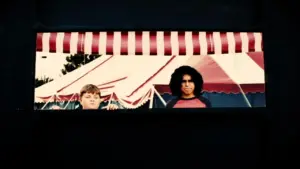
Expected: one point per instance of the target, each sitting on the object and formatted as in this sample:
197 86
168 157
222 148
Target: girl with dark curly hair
186 84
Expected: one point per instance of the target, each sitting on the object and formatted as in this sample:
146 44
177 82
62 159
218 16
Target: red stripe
167 43
80 43
52 42
238 42
85 74
39 42
109 43
114 97
138 100
210 42
113 81
258 58
196 43
146 95
220 88
181 43
95 43
66 42
107 87
224 42
251 40
233 88
124 43
153 43
106 97
152 76
139 43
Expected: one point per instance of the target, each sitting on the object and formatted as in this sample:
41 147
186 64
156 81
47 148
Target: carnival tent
50 89
227 73
141 62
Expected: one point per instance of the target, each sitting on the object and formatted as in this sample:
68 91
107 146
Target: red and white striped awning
149 42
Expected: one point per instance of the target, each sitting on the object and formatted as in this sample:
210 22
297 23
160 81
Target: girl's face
187 86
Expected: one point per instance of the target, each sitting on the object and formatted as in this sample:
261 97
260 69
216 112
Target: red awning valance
149 43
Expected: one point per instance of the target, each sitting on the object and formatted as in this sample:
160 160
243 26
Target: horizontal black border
39 27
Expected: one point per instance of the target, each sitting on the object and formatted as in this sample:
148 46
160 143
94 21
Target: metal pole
69 101
151 98
244 95
159 96
47 102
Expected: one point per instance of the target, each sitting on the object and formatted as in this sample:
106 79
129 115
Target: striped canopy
149 42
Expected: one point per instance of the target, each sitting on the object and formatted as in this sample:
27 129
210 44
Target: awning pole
244 95
47 102
159 96
109 101
69 101
151 98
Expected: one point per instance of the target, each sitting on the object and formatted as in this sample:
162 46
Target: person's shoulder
171 103
205 101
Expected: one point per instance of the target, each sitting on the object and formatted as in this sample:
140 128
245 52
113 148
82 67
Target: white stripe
160 43
203 43
131 43
174 43
231 42
258 41
245 41
60 42
117 43
146 43
81 41
217 43
46 44
188 43
237 67
88 42
73 42
244 63
102 43
226 62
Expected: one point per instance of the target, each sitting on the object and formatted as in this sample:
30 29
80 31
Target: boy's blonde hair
90 88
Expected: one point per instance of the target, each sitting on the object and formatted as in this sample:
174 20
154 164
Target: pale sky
50 66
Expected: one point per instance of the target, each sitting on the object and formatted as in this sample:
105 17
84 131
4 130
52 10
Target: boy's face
187 86
90 101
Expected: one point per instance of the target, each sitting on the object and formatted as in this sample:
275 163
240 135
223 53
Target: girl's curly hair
176 80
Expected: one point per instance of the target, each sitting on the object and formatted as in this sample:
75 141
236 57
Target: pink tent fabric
227 73
218 79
